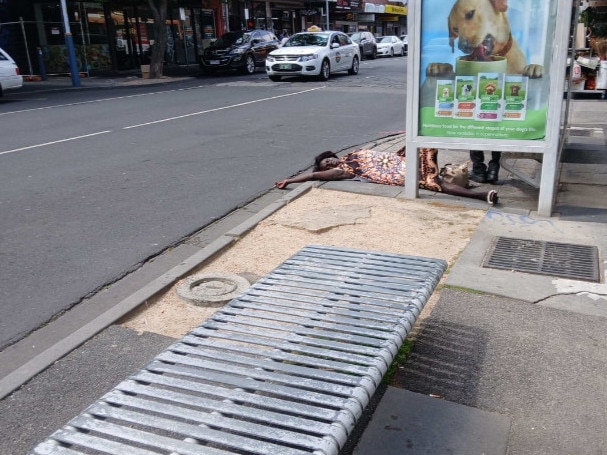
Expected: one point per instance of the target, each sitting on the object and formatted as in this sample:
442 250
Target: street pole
69 43
327 7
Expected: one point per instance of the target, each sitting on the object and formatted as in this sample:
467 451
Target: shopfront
394 20
388 19
113 35
345 15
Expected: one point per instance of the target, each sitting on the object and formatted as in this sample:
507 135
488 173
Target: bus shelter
488 75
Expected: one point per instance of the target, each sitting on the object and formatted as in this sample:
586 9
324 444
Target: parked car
390 46
405 40
10 76
240 50
317 54
366 42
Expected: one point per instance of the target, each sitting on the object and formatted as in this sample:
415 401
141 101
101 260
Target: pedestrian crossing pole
69 43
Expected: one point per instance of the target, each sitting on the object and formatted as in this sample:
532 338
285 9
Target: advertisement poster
485 68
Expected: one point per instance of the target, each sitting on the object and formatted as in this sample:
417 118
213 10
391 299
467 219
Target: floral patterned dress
388 168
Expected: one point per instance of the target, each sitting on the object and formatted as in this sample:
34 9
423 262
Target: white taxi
10 77
317 54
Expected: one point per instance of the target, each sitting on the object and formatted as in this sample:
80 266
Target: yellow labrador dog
483 30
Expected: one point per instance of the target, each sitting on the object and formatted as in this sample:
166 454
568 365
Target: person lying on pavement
386 168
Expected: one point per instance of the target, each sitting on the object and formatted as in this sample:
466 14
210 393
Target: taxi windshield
308 39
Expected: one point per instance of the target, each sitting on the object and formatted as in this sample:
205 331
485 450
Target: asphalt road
94 183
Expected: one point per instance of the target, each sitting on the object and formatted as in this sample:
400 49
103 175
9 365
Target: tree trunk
160 11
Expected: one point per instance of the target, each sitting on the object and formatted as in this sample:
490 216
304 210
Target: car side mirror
334 45
255 41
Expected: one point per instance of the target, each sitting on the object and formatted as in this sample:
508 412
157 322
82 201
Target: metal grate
285 368
566 260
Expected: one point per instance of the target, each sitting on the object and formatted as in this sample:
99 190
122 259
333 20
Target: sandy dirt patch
320 217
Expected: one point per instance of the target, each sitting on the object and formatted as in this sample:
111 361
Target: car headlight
270 58
238 51
307 58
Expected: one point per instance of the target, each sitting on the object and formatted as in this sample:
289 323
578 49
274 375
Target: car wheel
402 51
249 65
355 66
362 52
325 70
374 53
274 78
391 52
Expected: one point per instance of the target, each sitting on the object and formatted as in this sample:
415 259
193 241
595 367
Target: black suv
367 43
241 50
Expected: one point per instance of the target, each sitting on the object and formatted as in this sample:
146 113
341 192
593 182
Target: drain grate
565 260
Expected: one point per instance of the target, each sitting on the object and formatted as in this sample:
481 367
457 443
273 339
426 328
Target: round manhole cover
212 289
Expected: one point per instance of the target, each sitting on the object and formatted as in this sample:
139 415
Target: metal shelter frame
550 146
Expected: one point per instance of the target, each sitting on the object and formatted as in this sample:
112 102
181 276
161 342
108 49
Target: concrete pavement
506 361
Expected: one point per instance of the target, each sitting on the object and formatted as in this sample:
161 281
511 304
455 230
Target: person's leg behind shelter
493 167
484 173
479 168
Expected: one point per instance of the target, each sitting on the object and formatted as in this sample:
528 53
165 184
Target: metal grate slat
285 368
566 260
290 369
227 408
283 357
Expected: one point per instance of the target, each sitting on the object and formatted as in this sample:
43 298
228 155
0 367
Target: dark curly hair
322 156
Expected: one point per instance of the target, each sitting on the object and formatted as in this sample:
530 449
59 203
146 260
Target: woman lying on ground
386 168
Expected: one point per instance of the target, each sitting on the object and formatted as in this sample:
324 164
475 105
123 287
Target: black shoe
492 176
478 177
492 170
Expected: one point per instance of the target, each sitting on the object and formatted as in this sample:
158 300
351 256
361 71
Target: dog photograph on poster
462 39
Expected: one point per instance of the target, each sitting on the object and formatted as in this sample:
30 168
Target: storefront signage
309 12
366 17
393 9
372 8
387 9
347 4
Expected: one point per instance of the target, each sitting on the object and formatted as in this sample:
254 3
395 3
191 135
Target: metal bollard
41 65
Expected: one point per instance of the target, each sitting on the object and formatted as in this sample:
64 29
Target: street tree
159 10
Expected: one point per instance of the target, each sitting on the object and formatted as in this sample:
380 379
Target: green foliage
400 359
596 20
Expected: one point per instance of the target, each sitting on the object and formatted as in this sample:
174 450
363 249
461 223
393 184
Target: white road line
54 142
161 120
102 100
169 119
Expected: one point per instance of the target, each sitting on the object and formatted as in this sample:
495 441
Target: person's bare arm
329 174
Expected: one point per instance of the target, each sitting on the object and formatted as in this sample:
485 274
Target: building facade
116 35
